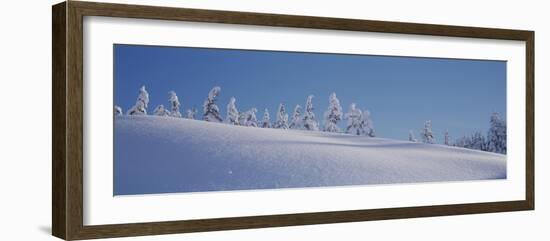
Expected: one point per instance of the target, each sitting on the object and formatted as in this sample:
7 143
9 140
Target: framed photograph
170 120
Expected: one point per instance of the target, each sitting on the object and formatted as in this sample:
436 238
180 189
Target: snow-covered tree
494 142
447 138
118 110
174 104
140 108
427 134
464 142
354 120
365 125
251 118
266 121
333 114
296 121
309 117
232 113
211 112
282 118
242 118
161 111
478 142
412 137
496 137
190 114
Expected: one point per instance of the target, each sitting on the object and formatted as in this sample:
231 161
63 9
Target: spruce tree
140 108
309 117
251 118
427 134
282 118
366 126
478 142
354 120
174 104
191 113
496 137
161 111
296 121
447 138
232 113
266 121
211 112
333 114
118 110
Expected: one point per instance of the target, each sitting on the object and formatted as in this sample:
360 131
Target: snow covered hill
163 155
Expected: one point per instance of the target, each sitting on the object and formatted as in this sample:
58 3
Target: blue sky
400 92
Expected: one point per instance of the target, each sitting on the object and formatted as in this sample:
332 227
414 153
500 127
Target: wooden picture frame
67 123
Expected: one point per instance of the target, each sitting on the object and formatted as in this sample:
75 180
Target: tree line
359 121
493 141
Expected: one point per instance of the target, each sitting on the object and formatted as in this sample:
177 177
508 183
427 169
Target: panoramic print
203 119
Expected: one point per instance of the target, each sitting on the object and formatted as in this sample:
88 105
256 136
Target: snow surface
155 154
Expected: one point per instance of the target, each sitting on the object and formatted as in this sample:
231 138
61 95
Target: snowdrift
165 155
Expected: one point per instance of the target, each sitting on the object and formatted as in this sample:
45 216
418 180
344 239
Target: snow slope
163 154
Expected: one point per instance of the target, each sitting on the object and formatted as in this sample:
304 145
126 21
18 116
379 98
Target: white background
101 208
25 126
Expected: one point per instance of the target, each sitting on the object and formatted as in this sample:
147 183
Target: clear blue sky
400 92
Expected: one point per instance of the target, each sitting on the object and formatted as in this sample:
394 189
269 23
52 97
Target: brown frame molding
67 120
